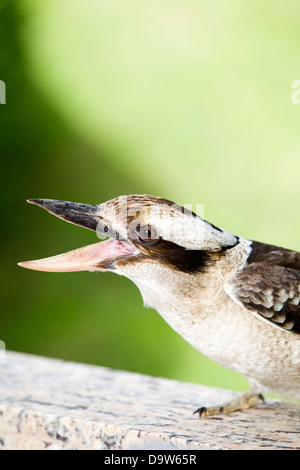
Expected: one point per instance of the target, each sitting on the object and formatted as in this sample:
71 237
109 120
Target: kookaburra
235 300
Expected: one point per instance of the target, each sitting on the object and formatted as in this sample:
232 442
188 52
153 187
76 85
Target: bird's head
149 238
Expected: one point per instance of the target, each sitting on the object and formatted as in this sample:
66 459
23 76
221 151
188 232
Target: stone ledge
52 404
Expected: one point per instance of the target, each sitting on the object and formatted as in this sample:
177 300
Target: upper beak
89 258
84 215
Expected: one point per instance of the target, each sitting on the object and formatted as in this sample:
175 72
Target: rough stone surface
51 404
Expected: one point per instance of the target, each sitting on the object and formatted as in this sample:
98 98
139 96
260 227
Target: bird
235 300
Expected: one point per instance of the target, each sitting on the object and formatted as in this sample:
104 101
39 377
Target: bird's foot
241 402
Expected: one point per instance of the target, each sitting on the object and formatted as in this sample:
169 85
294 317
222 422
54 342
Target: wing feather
269 285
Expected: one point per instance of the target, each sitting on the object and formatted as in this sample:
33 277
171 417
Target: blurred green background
186 99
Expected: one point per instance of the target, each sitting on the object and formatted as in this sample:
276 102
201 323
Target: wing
269 286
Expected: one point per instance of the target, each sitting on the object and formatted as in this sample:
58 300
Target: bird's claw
241 402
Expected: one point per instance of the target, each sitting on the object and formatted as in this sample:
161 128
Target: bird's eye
147 233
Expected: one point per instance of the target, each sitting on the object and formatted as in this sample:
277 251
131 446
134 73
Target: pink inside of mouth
86 258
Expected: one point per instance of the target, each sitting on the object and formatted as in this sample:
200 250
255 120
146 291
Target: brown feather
270 285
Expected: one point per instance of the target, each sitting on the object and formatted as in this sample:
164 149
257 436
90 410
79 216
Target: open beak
88 258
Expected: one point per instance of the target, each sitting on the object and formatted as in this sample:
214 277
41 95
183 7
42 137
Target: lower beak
89 258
